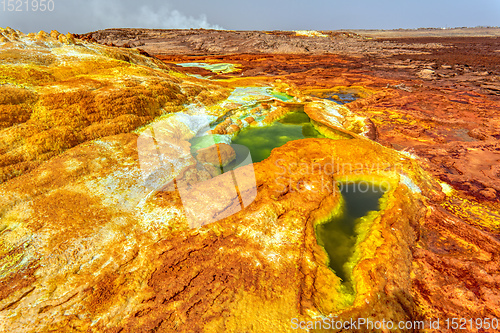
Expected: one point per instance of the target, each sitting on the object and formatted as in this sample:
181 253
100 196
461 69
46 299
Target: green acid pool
261 140
338 235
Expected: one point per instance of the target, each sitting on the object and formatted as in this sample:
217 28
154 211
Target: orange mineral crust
114 210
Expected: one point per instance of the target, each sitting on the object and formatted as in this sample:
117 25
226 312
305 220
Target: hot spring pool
261 140
338 235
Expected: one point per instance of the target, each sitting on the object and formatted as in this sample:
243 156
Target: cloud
155 14
173 19
85 16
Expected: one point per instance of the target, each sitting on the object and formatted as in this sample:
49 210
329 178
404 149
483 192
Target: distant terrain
430 32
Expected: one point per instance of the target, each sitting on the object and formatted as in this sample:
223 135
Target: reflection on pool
338 235
261 140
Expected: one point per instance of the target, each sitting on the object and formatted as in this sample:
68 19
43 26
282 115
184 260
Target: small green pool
338 236
261 140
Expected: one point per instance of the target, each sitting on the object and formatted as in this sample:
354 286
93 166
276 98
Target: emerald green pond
338 236
261 140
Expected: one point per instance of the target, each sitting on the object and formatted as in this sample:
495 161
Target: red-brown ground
451 118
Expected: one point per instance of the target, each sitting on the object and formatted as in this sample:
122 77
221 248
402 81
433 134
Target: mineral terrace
116 148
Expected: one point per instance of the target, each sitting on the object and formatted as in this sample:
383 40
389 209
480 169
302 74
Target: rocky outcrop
203 42
55 96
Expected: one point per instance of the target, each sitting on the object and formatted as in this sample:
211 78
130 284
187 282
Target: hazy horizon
80 17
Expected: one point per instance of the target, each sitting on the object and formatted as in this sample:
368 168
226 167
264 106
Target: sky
78 16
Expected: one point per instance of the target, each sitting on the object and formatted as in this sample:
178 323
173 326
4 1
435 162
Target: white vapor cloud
84 16
173 19
155 14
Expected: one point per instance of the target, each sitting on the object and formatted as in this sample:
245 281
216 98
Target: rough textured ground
88 246
431 32
442 106
203 42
